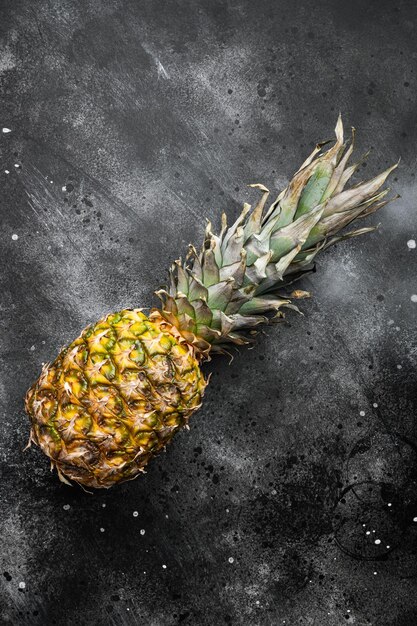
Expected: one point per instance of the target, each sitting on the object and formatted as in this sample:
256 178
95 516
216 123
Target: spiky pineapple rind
114 398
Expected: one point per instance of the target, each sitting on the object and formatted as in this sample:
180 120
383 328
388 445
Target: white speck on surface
414 519
66 507
389 503
375 405
388 547
15 237
231 559
411 243
7 171
399 367
103 505
164 566
135 513
142 531
414 297
274 492
8 130
362 413
368 532
377 542
397 328
102 530
375 573
22 585
32 348
64 188
16 165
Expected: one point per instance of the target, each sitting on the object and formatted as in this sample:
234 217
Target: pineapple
116 395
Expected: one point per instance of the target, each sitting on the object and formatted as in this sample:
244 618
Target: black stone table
293 498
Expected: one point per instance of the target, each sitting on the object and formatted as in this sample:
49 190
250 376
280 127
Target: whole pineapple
117 394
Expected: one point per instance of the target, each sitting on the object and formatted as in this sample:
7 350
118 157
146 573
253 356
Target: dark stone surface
155 116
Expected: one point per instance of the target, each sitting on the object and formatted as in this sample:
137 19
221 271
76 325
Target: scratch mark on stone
162 73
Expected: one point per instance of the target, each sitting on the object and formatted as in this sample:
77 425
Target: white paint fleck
66 507
102 530
377 542
22 585
231 559
414 519
16 165
389 503
32 348
414 297
164 566
375 405
368 532
7 171
7 130
135 513
64 188
411 243
103 505
375 573
399 367
362 413
142 531
15 237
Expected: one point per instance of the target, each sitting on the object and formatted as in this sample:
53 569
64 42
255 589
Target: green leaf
314 190
220 294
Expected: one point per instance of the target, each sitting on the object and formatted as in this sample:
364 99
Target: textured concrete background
132 122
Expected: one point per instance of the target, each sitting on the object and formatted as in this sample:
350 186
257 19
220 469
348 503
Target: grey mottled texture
131 123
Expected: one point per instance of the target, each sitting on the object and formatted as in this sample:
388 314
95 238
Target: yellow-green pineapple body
114 398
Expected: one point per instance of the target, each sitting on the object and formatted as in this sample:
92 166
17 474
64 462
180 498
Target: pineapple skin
114 398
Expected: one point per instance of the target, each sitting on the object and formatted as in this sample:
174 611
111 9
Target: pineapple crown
218 296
